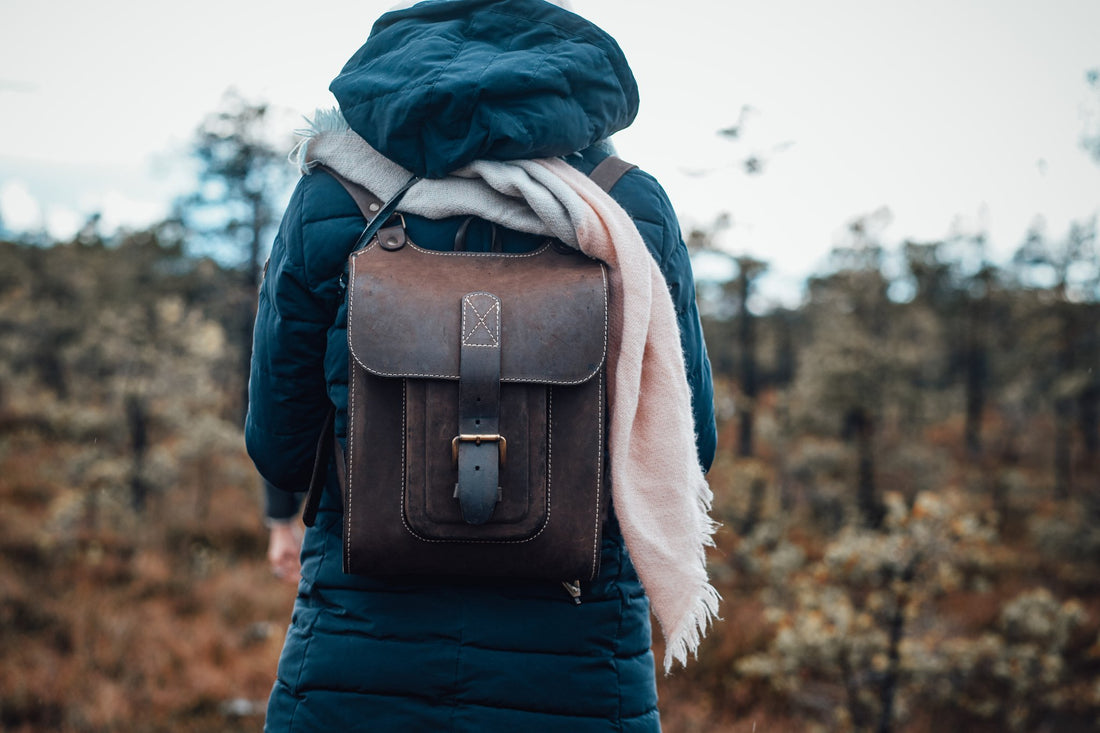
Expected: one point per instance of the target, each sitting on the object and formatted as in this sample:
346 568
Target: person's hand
284 547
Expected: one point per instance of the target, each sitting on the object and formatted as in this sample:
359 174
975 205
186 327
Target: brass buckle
478 439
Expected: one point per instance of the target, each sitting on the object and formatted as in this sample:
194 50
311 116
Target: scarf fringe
687 637
323 120
703 610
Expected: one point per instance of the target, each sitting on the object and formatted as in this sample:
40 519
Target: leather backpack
477 406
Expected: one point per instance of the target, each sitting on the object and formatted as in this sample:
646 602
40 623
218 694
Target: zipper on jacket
574 590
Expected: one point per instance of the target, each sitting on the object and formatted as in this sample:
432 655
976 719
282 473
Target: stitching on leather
350 466
493 334
549 446
522 379
599 480
404 446
513 255
606 326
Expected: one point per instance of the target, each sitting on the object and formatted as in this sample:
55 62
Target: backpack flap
549 301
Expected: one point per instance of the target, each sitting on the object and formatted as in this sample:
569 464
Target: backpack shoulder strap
374 210
368 203
608 172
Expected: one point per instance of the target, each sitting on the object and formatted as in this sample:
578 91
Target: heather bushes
898 553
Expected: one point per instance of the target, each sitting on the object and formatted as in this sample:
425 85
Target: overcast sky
951 113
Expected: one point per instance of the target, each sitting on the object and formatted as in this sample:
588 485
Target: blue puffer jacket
436 86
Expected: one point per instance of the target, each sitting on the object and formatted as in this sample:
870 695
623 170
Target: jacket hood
446 82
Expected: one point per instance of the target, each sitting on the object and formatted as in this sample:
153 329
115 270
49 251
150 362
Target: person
437 86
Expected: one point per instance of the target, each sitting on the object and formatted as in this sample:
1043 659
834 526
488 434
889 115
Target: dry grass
170 621
125 624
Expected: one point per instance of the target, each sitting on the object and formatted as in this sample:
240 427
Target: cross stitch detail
481 328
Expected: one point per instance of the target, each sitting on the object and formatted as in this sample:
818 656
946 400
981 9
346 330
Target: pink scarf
661 497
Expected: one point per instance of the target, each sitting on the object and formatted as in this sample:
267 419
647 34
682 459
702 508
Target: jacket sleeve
281 505
287 398
646 202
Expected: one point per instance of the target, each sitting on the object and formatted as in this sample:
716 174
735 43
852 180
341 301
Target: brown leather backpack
477 403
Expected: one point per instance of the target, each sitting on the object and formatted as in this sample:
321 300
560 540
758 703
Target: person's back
445 84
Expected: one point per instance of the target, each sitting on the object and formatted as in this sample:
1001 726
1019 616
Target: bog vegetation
908 480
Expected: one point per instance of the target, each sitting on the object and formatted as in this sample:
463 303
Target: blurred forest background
908 477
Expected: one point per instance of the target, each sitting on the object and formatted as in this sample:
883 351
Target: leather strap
325 442
608 172
368 203
460 236
375 211
479 448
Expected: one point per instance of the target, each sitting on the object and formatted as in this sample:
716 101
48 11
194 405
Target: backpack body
477 404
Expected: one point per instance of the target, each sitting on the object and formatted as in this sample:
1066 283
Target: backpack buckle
477 439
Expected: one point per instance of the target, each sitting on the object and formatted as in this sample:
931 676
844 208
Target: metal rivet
374 207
